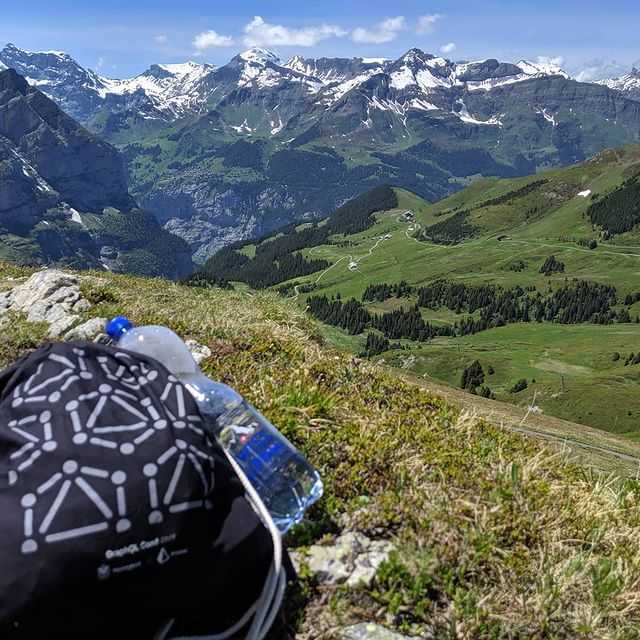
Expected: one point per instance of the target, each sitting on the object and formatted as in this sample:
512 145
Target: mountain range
64 196
221 154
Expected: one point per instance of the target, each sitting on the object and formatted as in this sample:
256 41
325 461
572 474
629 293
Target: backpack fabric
117 510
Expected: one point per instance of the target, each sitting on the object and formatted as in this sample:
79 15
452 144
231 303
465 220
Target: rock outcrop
88 173
49 296
352 560
88 330
64 195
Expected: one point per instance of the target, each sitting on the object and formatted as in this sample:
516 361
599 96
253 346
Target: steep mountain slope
628 84
63 193
540 283
495 536
222 154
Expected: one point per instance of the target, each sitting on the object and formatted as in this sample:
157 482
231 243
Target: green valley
493 238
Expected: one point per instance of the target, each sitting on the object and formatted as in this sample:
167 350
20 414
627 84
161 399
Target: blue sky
123 37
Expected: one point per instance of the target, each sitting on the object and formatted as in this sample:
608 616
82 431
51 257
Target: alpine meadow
411 243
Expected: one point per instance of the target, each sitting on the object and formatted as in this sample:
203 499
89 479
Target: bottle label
262 456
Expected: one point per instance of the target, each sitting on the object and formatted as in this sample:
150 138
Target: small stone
199 351
370 631
87 330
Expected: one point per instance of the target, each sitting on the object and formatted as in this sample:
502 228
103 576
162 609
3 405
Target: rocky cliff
64 197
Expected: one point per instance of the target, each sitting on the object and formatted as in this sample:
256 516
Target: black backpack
117 511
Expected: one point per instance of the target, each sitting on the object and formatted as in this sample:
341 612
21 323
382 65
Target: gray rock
199 351
370 631
87 330
353 559
49 296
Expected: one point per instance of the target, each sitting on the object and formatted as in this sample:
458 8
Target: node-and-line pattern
86 434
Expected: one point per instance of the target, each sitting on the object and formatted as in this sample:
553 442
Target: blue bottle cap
116 327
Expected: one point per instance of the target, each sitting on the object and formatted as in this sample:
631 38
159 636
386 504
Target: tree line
353 317
575 302
619 211
276 260
453 230
486 307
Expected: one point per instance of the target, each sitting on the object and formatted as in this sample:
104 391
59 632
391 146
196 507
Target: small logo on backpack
104 572
163 556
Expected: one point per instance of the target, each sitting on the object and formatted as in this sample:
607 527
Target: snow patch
243 128
584 194
547 116
30 172
402 78
465 116
76 217
276 127
422 105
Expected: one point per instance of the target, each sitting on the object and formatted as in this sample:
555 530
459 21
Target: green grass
248 250
603 395
496 535
575 377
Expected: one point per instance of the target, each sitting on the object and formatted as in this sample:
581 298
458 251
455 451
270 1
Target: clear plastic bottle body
285 480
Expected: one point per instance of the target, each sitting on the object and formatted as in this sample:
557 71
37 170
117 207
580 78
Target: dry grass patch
496 536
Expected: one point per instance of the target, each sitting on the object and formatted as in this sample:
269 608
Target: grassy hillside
496 535
512 227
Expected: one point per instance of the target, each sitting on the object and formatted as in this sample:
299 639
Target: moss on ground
496 536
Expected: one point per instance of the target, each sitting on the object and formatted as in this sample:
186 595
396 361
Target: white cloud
100 63
426 24
384 31
208 39
450 47
556 61
600 68
161 38
259 33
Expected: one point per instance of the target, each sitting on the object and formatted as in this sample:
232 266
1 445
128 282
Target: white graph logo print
105 489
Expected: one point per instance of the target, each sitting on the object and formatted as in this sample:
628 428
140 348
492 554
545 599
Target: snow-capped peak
629 83
171 88
415 57
422 69
540 69
182 69
260 56
11 49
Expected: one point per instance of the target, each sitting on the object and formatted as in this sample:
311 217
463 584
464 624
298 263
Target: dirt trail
599 449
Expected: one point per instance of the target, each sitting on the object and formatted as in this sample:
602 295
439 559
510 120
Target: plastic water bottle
283 478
